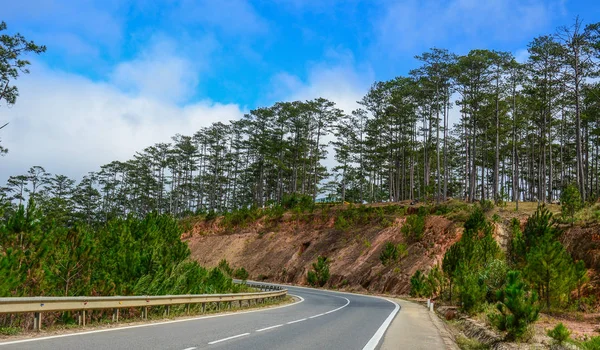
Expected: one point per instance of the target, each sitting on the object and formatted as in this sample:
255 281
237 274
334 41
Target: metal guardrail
38 305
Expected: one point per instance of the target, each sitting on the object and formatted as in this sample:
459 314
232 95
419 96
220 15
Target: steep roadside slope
285 251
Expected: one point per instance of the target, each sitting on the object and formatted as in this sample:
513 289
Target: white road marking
149 324
372 344
300 320
265 329
304 319
228 338
192 348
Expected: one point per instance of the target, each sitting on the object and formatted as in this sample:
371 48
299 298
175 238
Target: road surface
319 320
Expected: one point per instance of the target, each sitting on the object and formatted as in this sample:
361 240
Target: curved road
320 320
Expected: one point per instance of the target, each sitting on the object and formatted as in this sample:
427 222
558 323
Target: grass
469 344
9 330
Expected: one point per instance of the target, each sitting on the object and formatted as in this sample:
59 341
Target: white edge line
150 324
192 348
372 344
267 328
300 320
228 338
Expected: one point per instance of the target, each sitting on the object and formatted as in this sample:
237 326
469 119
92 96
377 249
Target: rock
450 315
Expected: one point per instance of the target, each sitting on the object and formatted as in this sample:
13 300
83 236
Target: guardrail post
218 306
145 312
83 318
187 309
115 316
37 321
168 310
203 307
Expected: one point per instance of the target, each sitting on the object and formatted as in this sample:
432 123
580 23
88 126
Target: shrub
518 308
224 266
486 205
296 200
319 276
392 252
560 333
414 227
241 274
341 223
418 284
471 290
570 200
211 215
592 344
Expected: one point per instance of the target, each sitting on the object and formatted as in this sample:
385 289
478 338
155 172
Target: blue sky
121 75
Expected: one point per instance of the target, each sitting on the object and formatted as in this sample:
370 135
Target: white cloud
158 74
406 26
72 125
340 82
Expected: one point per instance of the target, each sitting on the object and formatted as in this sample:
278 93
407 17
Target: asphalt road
320 320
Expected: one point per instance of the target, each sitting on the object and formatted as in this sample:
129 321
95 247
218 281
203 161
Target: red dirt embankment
284 252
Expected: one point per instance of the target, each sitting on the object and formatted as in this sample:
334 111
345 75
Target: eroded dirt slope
284 253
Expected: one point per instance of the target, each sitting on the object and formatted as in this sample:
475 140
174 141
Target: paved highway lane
320 320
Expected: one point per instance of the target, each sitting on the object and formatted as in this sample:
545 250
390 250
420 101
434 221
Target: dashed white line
149 324
267 328
300 320
228 338
192 348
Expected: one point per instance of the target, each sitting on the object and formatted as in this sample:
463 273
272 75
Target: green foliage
392 252
241 274
591 344
471 264
12 64
517 248
10 331
319 276
126 256
224 266
486 205
241 217
471 290
547 265
296 200
560 333
418 284
517 308
570 200
550 268
361 215
414 227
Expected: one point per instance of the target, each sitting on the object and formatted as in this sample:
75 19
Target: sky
119 76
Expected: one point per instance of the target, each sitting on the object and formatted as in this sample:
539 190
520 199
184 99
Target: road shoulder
414 327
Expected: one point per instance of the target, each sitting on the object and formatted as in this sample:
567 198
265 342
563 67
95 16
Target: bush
418 284
392 252
560 333
486 205
414 227
296 200
320 274
224 266
570 200
518 308
592 344
241 274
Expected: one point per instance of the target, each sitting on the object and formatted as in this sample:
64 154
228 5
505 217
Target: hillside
283 248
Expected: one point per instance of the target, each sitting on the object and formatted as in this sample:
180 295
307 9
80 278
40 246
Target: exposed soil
284 253
284 250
